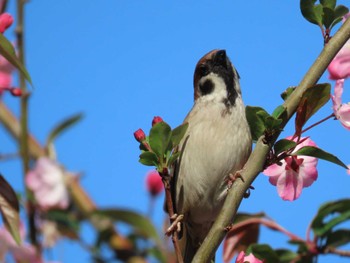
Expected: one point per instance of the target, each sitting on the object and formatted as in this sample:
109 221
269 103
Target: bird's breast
217 144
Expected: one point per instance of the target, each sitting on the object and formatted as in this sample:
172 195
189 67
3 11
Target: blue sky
123 62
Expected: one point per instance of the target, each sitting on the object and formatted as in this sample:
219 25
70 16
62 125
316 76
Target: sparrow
216 145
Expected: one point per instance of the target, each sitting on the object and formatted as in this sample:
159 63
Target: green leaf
311 12
329 3
302 246
338 238
283 145
8 52
67 223
255 121
330 215
300 118
321 154
149 159
339 12
240 217
315 98
285 255
279 112
263 252
159 138
63 126
9 208
287 92
178 133
271 123
328 17
173 158
141 224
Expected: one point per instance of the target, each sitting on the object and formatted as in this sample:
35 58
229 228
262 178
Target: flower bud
154 183
17 92
6 21
156 119
140 135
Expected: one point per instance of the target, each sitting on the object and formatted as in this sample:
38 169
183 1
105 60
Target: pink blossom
47 181
6 70
154 183
339 68
242 258
21 253
6 21
348 170
341 110
294 173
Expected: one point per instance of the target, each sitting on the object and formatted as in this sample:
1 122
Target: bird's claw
175 226
231 178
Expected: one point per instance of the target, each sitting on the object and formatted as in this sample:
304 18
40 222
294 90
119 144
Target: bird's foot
175 226
231 178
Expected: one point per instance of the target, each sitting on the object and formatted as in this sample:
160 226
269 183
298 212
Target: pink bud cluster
6 68
140 135
154 182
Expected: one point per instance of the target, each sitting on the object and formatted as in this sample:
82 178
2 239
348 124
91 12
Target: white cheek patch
219 91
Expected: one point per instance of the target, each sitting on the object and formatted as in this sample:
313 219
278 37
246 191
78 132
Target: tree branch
256 160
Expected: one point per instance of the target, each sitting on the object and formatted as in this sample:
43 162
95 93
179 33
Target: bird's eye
203 70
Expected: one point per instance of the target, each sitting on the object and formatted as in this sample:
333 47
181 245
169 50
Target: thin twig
170 209
317 123
8 156
339 252
24 148
3 6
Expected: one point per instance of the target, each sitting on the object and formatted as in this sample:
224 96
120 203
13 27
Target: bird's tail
189 245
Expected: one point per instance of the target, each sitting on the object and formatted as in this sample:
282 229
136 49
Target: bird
216 145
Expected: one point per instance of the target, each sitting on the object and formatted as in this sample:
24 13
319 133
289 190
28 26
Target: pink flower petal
336 98
5 79
289 185
251 259
309 174
343 115
294 173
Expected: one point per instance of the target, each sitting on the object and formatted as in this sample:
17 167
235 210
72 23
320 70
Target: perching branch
255 163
